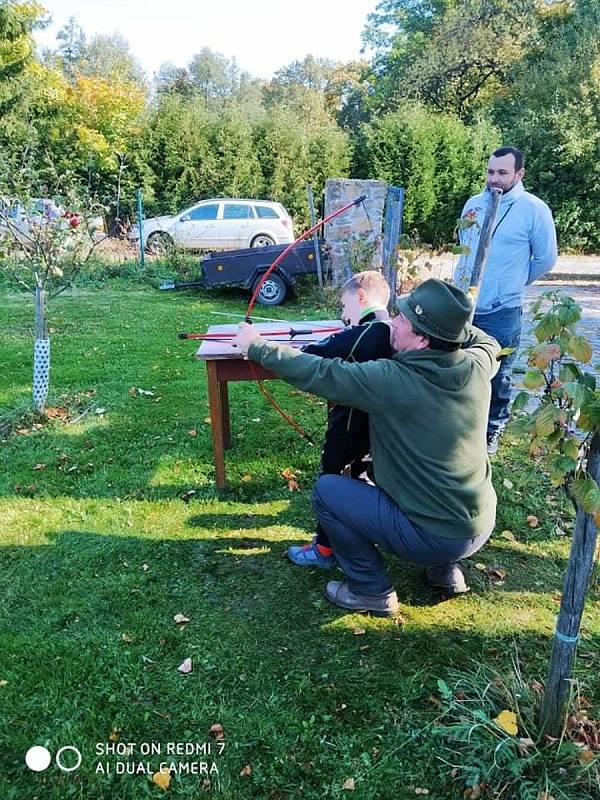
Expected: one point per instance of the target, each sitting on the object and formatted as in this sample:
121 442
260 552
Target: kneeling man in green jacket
433 502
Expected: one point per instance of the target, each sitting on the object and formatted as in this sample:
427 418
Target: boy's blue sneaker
308 555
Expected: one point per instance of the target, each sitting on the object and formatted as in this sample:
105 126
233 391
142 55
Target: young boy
364 302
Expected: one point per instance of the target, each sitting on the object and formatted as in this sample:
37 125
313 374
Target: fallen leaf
125 637
3 683
288 474
349 785
246 478
217 731
507 484
507 720
525 742
207 420
206 784
100 411
180 619
537 686
162 779
359 631
39 467
497 574
114 736
509 535
246 771
532 521
185 667
193 432
586 756
293 486
145 567
480 566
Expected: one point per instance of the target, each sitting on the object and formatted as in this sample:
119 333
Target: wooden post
577 578
392 227
483 246
315 238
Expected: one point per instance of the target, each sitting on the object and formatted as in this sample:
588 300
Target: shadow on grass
90 646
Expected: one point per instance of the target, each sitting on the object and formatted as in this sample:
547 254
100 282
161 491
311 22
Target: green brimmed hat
438 309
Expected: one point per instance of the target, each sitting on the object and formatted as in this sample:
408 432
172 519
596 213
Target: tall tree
71 48
452 54
214 75
552 111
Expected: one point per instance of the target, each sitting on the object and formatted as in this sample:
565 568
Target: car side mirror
185 218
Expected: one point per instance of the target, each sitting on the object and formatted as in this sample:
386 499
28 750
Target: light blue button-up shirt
523 248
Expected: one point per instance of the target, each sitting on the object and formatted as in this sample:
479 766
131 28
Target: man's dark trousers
358 518
505 326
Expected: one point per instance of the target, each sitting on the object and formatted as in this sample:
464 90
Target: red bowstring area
225 336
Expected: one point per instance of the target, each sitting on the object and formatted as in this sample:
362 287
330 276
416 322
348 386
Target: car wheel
262 240
159 243
272 292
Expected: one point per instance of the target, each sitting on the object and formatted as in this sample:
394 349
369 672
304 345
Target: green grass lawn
99 551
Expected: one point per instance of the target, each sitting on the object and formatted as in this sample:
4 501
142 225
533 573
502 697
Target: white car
218 225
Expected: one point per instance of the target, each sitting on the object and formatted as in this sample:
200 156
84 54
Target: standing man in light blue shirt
523 247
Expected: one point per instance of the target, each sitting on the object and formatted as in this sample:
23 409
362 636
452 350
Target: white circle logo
64 750
38 758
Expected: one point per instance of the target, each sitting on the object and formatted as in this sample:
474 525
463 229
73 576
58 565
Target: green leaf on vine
545 419
590 415
506 351
559 467
571 447
521 401
533 379
569 371
577 393
568 314
587 494
547 327
580 348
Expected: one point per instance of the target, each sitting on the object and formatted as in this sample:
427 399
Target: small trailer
244 268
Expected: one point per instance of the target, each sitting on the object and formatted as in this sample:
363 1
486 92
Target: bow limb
291 246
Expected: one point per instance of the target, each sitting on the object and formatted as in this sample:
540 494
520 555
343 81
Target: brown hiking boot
450 578
383 605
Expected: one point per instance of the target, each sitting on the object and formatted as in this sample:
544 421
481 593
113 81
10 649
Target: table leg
216 417
226 426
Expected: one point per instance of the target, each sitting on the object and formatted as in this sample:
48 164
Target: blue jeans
358 517
505 326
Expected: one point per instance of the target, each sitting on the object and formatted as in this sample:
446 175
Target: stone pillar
355 237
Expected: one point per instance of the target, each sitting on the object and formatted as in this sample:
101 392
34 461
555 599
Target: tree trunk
577 578
41 353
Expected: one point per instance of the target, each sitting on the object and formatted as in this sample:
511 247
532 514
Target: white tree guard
41 372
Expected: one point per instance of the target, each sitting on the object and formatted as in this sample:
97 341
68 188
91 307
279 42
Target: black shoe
493 440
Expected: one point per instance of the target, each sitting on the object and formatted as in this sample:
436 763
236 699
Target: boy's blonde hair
373 284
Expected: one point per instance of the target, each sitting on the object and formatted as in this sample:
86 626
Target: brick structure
354 238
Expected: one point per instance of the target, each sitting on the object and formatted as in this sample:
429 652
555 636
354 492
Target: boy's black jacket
364 342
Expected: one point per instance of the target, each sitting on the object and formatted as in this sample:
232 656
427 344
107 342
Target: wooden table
224 364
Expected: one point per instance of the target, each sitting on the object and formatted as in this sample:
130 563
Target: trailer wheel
272 292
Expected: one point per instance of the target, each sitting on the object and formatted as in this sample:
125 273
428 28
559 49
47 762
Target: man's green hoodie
427 422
